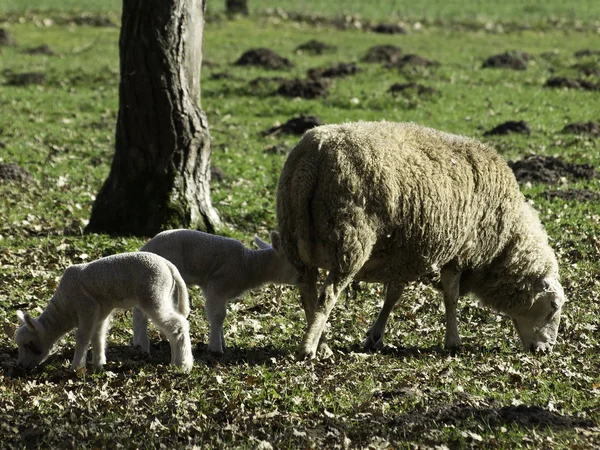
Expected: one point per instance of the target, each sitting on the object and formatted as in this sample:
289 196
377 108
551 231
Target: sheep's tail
183 299
295 191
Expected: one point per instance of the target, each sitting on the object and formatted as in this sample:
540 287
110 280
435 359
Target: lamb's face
29 338
538 326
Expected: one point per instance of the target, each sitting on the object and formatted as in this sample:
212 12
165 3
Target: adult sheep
390 202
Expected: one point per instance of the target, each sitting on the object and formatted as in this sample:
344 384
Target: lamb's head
286 273
537 326
33 348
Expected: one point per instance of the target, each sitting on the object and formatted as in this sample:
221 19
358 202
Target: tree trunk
236 7
160 174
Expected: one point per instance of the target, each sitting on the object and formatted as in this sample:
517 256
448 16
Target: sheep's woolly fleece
419 197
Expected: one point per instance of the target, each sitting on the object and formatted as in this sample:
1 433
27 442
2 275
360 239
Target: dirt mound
41 50
586 52
6 38
578 195
336 71
309 88
25 79
572 83
387 28
263 57
419 89
15 173
411 60
510 127
547 169
217 174
383 54
515 60
592 128
297 125
588 68
94 20
263 82
314 47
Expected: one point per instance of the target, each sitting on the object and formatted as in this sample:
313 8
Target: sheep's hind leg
309 297
140 330
374 340
450 284
177 330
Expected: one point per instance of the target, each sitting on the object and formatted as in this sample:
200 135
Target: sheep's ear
275 240
27 320
260 243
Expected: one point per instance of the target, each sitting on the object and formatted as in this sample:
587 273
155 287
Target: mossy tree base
160 174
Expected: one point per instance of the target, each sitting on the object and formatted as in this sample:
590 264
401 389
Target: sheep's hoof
305 353
372 345
453 349
324 351
216 353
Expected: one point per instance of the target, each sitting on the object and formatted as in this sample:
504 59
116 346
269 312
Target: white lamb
391 202
223 268
87 295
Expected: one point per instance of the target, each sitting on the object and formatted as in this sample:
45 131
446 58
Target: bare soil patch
413 61
578 195
588 68
389 28
297 125
591 128
14 173
41 50
417 88
383 54
314 47
310 88
25 79
550 170
263 57
336 71
514 60
586 52
572 83
510 127
6 38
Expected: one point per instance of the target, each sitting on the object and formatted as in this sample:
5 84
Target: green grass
491 395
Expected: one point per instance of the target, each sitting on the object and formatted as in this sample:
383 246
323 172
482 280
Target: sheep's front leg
374 340
140 330
450 285
216 311
99 343
83 338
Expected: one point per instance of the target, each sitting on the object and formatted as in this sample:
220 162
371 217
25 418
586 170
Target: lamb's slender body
223 268
390 202
87 295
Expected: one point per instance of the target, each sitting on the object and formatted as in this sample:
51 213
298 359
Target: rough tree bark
160 174
236 7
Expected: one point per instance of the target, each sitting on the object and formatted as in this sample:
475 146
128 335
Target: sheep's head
538 326
33 348
286 272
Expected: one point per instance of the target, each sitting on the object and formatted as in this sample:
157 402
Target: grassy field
412 394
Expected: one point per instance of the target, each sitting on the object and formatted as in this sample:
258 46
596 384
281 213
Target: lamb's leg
99 343
216 311
83 339
177 330
309 298
140 330
450 284
374 339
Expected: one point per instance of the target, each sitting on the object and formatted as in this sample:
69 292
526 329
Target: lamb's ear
275 240
26 319
260 243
